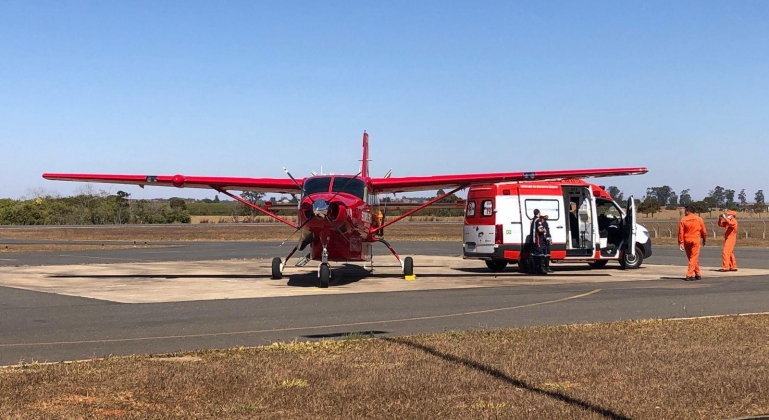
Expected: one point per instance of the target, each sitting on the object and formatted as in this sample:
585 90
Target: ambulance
586 225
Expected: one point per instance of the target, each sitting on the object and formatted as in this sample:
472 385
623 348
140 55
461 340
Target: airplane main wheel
496 265
325 275
276 273
408 266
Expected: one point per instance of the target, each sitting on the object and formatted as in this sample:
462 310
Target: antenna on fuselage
387 175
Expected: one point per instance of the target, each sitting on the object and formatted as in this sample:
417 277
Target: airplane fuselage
338 211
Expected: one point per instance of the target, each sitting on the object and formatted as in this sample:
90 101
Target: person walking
691 230
728 221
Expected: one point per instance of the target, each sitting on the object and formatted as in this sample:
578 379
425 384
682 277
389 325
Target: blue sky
245 88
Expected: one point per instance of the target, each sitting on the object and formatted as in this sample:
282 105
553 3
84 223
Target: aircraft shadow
347 334
518 383
340 275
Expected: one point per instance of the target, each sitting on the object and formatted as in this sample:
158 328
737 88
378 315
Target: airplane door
630 226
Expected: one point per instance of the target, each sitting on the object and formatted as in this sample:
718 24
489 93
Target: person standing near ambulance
728 221
691 230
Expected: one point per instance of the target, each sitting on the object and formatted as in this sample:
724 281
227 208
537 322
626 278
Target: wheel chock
411 277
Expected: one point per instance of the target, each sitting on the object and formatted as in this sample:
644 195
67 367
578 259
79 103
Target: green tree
178 204
700 206
649 206
685 199
729 198
615 194
743 198
718 194
760 206
661 194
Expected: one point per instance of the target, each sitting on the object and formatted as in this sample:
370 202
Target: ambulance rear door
509 216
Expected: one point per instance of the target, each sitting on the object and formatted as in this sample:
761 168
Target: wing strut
254 206
410 212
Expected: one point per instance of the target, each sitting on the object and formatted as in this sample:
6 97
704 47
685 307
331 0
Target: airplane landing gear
277 268
324 271
324 275
278 265
407 264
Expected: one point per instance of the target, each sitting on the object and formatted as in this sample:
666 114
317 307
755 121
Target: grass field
11 248
663 232
716 368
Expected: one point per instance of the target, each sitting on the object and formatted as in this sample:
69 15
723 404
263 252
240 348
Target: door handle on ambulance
559 227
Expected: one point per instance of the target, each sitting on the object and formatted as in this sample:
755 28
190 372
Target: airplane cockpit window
316 185
347 184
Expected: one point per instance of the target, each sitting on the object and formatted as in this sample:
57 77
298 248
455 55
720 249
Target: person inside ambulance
574 225
728 221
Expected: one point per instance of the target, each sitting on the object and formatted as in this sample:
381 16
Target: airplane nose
320 207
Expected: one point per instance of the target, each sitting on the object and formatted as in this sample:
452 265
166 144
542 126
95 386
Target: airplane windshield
347 184
316 185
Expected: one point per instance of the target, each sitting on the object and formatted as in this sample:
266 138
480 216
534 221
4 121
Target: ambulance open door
630 226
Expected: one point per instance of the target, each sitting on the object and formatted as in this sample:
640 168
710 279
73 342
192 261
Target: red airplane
338 215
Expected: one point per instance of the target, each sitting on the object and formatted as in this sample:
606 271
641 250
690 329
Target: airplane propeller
320 207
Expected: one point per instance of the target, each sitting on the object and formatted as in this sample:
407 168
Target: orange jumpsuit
729 263
690 231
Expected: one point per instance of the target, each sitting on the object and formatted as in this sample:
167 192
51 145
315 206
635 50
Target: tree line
664 197
91 209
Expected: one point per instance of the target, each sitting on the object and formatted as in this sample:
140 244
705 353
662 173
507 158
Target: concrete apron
233 279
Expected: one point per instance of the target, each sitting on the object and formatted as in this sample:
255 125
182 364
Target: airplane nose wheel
324 275
324 272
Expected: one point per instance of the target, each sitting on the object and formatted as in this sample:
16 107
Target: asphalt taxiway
75 305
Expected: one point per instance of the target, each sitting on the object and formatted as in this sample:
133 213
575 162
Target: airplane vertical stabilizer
364 161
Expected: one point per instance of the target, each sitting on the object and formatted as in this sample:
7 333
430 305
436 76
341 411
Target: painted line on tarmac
8 259
315 327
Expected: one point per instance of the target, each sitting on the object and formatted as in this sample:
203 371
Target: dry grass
11 248
686 369
214 232
268 219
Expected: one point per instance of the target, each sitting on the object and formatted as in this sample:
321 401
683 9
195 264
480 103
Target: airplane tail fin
365 160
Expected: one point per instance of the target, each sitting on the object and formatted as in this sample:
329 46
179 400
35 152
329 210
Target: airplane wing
277 185
422 183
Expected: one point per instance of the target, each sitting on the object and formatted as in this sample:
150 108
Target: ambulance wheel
276 273
598 263
408 266
629 262
325 276
496 265
523 266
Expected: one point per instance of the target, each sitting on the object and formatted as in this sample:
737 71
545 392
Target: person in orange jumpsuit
690 231
729 223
